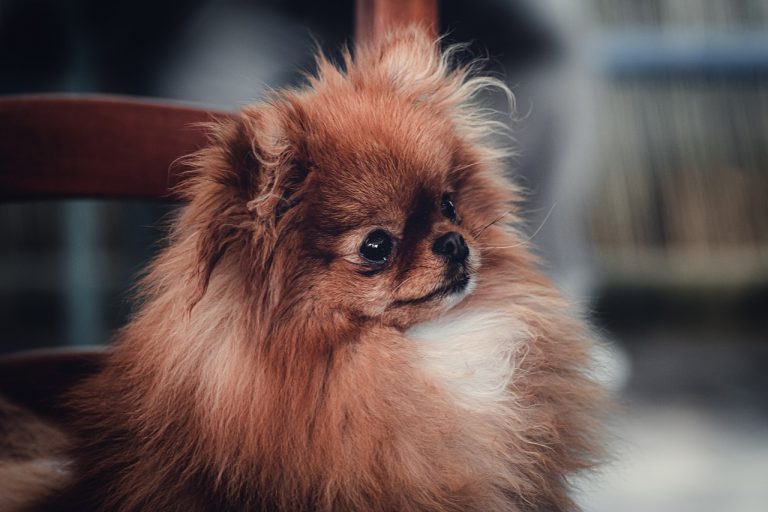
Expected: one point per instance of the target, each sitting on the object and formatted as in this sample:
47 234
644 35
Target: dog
346 317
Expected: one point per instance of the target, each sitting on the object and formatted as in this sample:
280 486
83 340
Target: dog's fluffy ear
410 60
276 136
245 182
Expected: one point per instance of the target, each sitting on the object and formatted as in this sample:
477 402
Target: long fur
262 373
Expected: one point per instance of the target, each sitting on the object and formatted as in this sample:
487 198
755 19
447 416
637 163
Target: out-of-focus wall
676 220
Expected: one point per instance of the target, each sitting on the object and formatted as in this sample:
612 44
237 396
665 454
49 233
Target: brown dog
345 319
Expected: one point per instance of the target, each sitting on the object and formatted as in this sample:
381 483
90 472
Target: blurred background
642 139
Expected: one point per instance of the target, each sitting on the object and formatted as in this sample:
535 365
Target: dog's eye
448 209
376 247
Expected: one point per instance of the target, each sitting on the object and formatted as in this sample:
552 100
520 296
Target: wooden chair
54 146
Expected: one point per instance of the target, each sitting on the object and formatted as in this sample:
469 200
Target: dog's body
341 321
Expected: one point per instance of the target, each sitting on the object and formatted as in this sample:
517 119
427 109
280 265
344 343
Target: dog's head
367 193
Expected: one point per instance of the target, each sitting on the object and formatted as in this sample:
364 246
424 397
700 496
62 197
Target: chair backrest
373 18
100 147
55 146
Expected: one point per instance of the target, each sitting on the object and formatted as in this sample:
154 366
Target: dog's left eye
448 209
376 247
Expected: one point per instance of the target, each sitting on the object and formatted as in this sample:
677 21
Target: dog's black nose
452 246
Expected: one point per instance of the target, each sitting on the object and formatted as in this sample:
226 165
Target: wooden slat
100 147
374 18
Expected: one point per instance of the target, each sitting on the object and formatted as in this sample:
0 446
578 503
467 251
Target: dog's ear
276 137
246 181
409 59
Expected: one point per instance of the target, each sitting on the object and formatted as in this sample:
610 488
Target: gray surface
692 431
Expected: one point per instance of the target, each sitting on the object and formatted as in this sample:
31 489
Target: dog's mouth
456 285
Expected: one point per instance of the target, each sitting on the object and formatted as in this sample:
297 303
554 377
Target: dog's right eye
376 247
448 209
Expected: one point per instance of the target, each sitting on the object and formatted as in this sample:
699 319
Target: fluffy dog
345 318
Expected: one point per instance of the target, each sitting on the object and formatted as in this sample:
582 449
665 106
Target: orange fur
264 371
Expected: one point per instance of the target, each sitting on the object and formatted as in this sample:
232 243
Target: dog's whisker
480 232
525 241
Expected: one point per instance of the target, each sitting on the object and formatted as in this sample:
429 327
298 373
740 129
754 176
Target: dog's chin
457 291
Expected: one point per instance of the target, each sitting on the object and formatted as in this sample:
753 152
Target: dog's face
374 201
389 221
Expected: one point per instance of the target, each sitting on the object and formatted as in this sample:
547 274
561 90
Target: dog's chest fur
471 355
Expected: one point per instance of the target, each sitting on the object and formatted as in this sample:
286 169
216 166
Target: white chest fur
472 355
